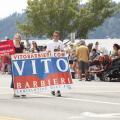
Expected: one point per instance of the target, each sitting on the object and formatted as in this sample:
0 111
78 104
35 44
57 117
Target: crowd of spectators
82 57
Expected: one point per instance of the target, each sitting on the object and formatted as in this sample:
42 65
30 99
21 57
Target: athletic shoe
23 95
53 93
16 95
58 93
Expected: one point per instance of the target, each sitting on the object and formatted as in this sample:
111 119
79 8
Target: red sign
7 47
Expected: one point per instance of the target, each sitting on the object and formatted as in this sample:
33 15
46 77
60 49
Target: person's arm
77 53
48 49
88 53
62 46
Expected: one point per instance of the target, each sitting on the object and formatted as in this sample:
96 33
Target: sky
7 7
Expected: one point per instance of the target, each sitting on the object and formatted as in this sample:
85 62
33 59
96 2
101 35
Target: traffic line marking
100 91
92 101
95 115
81 100
73 99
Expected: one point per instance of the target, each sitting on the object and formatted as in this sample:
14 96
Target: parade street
93 100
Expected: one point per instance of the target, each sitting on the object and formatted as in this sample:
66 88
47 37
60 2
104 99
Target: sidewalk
5 81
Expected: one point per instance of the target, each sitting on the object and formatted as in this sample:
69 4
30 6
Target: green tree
94 14
46 16
25 29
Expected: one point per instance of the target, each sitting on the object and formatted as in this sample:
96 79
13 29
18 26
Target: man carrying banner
55 46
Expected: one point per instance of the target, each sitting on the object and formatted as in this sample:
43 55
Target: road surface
93 100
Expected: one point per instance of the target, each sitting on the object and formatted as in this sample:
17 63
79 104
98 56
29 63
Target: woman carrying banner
55 46
18 49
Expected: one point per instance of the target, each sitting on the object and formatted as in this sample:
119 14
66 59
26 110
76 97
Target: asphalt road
93 100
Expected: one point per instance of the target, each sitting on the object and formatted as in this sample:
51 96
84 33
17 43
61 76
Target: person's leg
77 70
86 74
12 86
3 68
86 70
80 69
80 73
73 75
14 95
71 69
9 68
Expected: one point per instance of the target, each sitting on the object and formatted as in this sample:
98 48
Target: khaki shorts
83 66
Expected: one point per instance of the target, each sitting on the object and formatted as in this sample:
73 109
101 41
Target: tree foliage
46 16
95 13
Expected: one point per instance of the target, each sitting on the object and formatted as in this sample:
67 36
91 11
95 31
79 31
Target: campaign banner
39 72
7 47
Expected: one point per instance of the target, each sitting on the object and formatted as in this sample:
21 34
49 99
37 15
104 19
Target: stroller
103 64
113 72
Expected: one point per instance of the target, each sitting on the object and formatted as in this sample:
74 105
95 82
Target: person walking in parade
18 49
55 46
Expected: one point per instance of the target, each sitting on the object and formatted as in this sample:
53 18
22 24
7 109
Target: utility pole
72 37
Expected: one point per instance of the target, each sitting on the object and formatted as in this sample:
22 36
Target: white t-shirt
55 46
